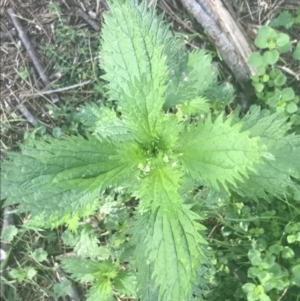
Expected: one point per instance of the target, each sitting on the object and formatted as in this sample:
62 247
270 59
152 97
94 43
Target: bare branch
24 110
38 65
56 90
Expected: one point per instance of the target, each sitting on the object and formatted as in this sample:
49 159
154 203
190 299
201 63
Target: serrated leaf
195 106
159 189
62 288
218 153
103 122
284 19
60 176
101 292
40 254
190 78
125 283
171 247
272 176
85 243
132 43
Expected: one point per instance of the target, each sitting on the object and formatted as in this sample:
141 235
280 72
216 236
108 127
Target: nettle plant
270 82
160 141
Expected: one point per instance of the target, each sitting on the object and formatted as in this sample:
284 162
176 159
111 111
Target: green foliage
158 139
286 19
270 83
105 275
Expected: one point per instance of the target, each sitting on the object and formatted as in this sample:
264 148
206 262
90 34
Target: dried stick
87 18
5 247
38 65
83 15
56 90
24 110
7 34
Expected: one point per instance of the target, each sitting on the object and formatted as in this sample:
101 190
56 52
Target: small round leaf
271 56
249 287
256 60
287 94
57 132
296 53
258 86
280 80
287 252
265 38
285 48
291 108
282 39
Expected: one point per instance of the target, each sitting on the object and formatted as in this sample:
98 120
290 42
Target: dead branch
87 18
22 108
38 65
77 10
56 90
8 220
7 34
221 28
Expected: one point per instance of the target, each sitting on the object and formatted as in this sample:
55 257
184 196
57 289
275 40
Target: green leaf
282 39
291 108
102 291
286 47
170 247
296 274
102 273
103 122
40 254
296 53
60 176
288 94
271 176
85 243
254 256
280 80
218 153
136 69
284 19
56 132
287 252
190 78
266 38
9 233
271 56
159 189
125 283
258 87
62 288
256 60
195 106
249 287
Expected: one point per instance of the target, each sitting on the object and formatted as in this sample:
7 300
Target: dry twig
8 220
38 65
7 34
24 110
56 90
